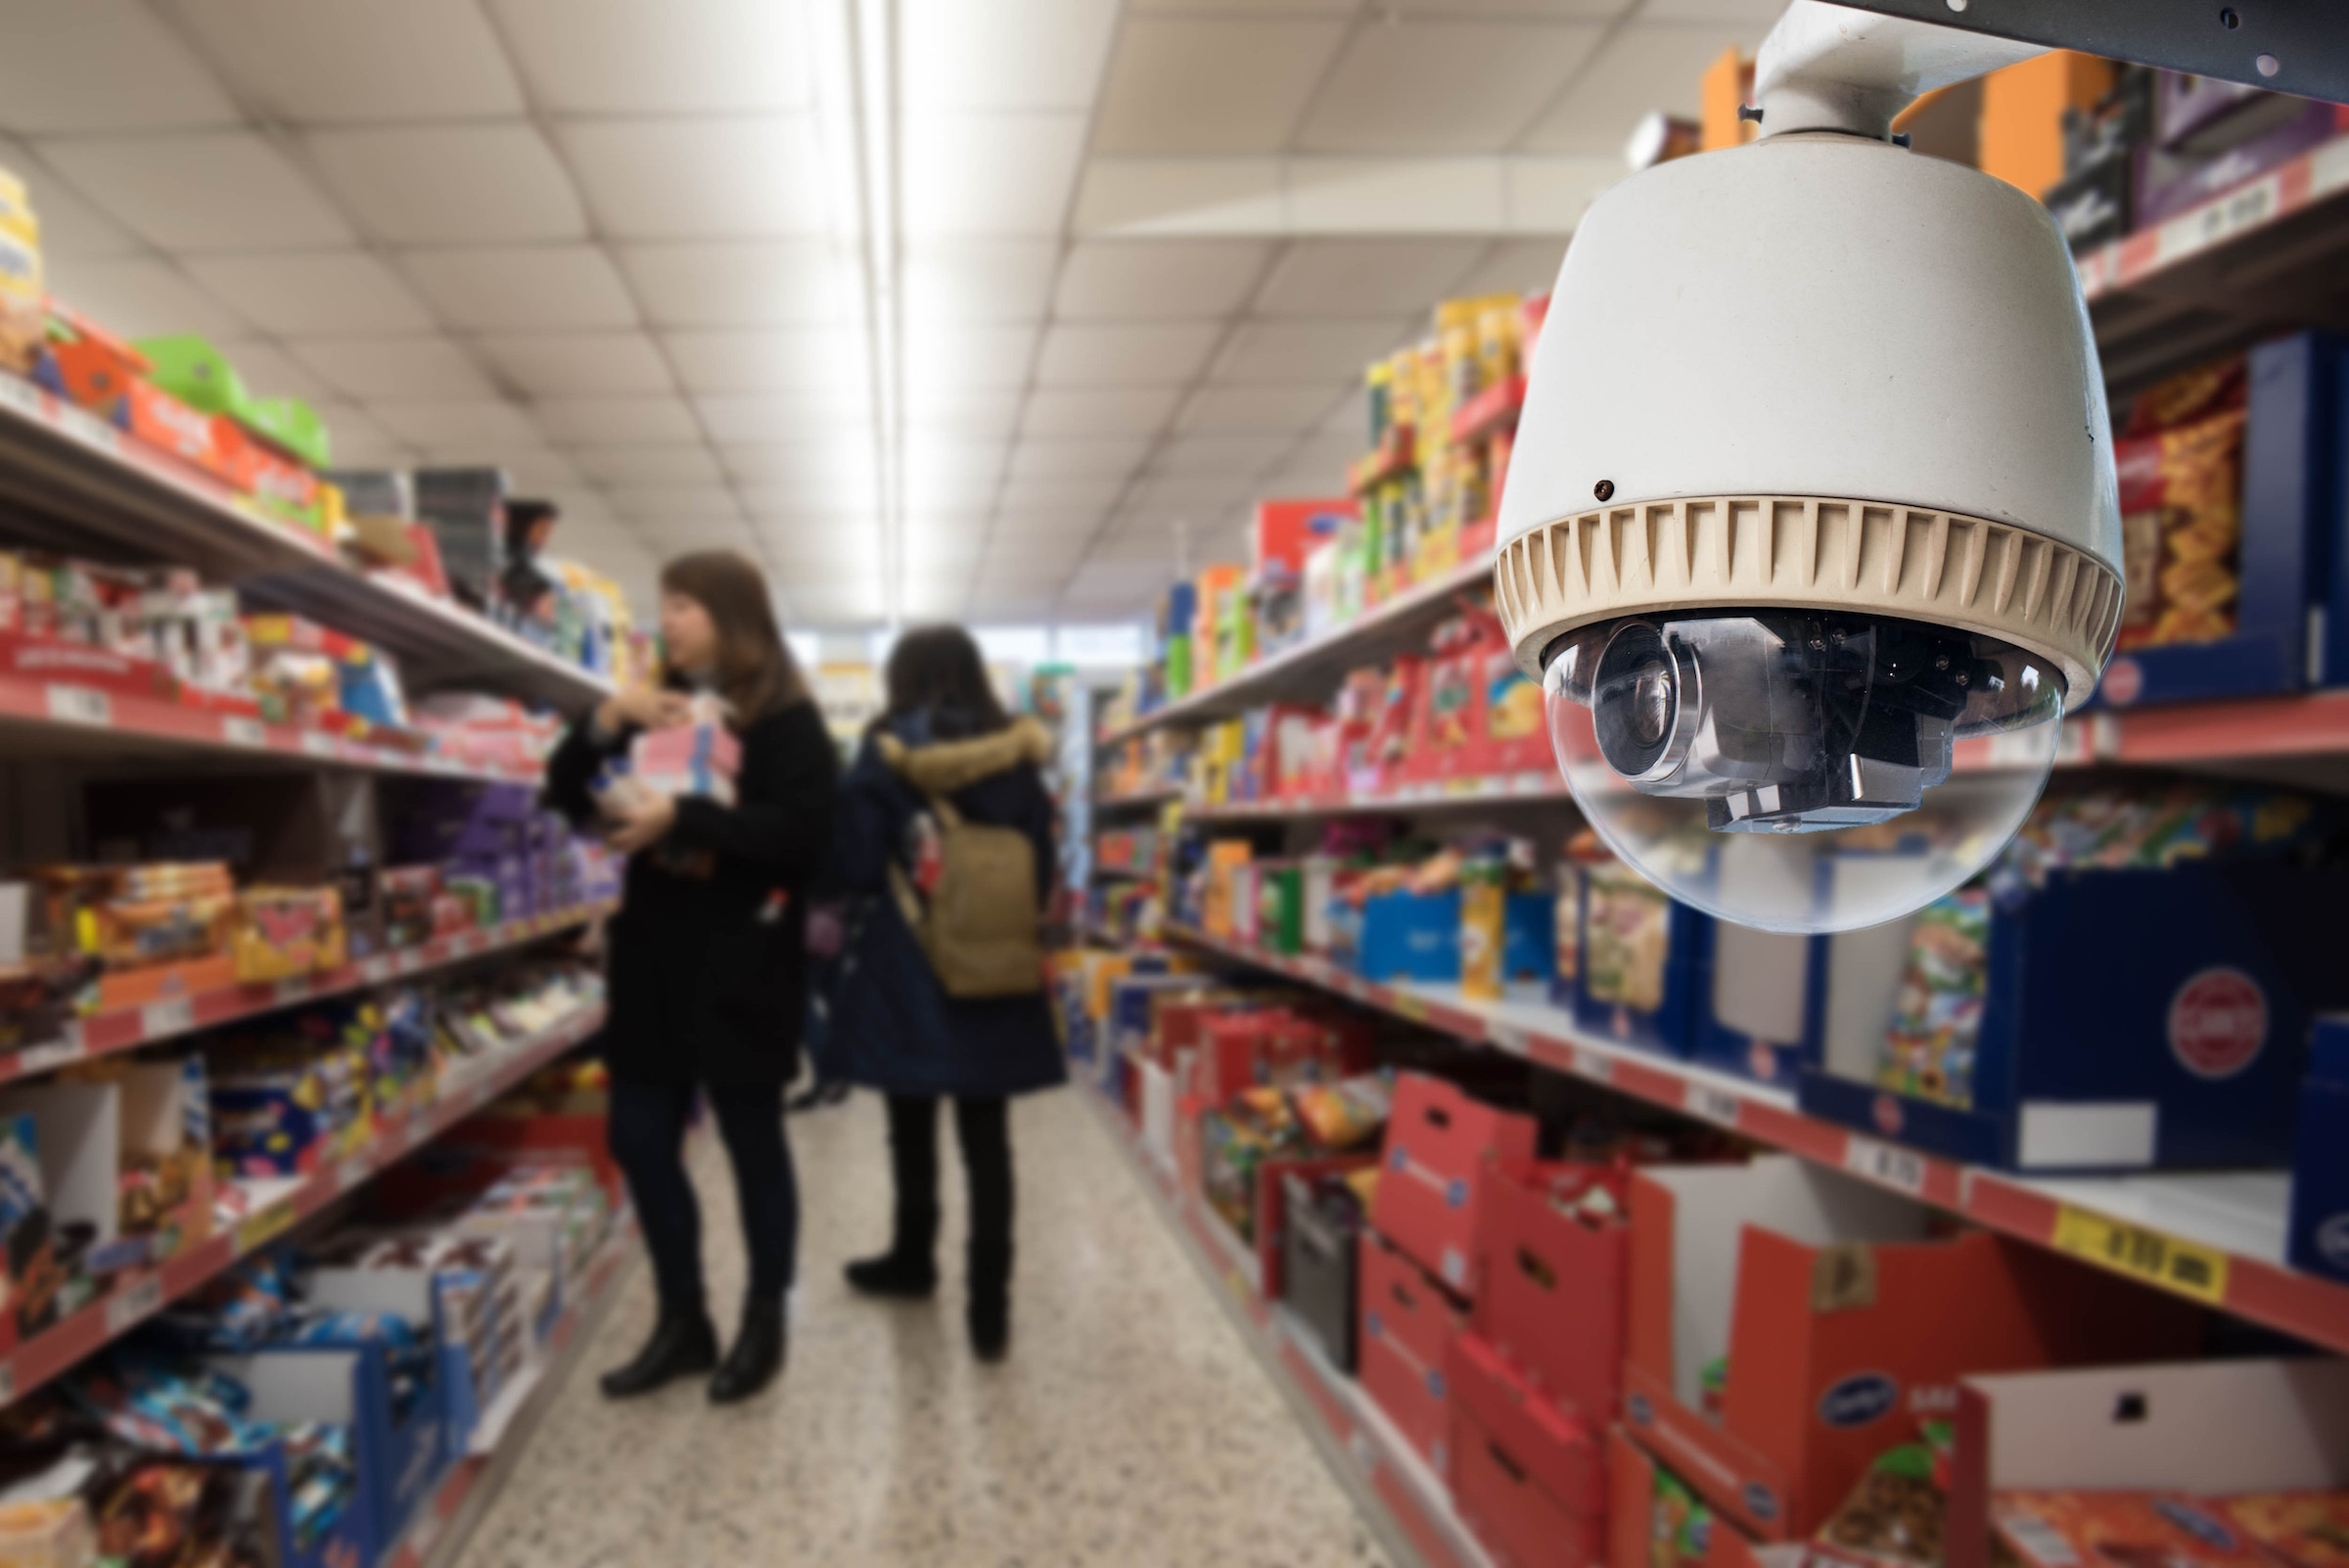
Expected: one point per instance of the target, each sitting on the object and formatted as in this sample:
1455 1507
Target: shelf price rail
130 1028
2215 1238
30 1361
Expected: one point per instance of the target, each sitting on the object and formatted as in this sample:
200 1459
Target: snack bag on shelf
1893 1518
1627 939
1937 1012
2180 470
23 298
284 932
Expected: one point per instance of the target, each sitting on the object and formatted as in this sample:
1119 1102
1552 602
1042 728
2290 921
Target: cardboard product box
1409 936
1438 1164
1657 1521
2228 1452
347 1544
1409 1321
2318 1235
1321 1254
2290 455
467 1287
1644 961
1554 1281
1528 1474
1822 1320
2194 1063
1761 1014
35 1268
465 508
2171 180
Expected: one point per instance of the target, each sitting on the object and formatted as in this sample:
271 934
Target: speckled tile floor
1130 1425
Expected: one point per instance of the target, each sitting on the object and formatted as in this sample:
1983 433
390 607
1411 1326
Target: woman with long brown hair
706 956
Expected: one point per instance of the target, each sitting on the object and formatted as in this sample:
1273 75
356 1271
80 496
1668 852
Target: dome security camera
1813 486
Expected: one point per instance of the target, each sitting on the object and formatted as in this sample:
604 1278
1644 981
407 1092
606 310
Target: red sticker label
1887 1114
2217 1022
1762 1061
2123 682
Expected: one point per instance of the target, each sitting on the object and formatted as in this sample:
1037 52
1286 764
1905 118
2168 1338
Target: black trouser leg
751 1121
982 1127
647 1137
913 1168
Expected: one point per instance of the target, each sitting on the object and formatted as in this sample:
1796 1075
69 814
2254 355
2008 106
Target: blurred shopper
918 1014
706 956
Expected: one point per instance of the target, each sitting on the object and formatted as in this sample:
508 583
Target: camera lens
1635 702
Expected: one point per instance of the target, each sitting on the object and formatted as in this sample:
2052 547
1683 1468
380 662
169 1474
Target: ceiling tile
1228 194
1039 539
373 368
975 412
1363 194
1316 466
530 470
1443 86
206 191
1097 410
1364 277
1074 459
930 488
675 503
268 371
1755 17
669 464
1243 410
315 293
700 178
569 364
72 229
1351 419
1290 352
522 287
829 362
771 462
301 60
1126 354
1006 54
101 66
1159 279
1196 499
771 283
450 184
1550 195
142 299
589 420
1516 266
846 487
1055 495
1642 67
1231 458
1243 8
759 417
1195 85
483 426
658 57
1000 174
978 280
1151 544
961 355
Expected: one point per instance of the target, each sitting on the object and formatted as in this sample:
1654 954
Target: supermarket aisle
1130 1427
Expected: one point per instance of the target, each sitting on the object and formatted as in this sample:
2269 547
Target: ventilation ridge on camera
1729 551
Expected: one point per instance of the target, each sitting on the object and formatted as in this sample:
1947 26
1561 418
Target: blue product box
2131 1020
1643 960
328 1385
400 1452
1410 936
2320 1216
2284 637
1529 938
1762 1006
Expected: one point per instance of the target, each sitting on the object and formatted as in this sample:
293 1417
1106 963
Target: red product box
1287 532
1551 1445
1503 1500
24 655
1440 1147
1407 1325
2100 1460
1845 1320
1552 1283
1644 1530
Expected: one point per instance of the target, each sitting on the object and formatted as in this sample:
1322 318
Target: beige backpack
980 927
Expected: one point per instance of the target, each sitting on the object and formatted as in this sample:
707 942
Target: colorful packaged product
2299 1529
1937 1012
1627 935
2120 1530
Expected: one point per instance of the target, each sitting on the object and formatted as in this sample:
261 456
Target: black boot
991 1324
910 1269
756 1356
683 1344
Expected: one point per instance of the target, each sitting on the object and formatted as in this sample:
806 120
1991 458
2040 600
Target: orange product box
1550 1446
108 376
1440 1147
1552 1283
1654 1520
1844 1319
2188 1463
122 988
1407 1324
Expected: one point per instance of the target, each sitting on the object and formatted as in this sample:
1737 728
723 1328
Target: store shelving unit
2215 1237
271 1208
127 1029
1137 799
445 1520
1405 1501
75 483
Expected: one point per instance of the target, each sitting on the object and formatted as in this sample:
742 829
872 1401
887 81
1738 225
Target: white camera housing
1825 375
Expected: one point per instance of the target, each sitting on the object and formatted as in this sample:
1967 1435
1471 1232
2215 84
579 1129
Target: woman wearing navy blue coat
894 1027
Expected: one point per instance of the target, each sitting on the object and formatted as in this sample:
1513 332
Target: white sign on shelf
132 1303
238 730
292 988
355 1170
1596 1066
51 1053
1510 1037
375 970
79 704
1887 1162
8 1382
173 1016
1709 1103
320 744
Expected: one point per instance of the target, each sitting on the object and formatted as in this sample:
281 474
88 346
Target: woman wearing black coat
894 1027
706 962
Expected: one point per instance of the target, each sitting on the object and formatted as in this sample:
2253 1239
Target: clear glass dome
1801 771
